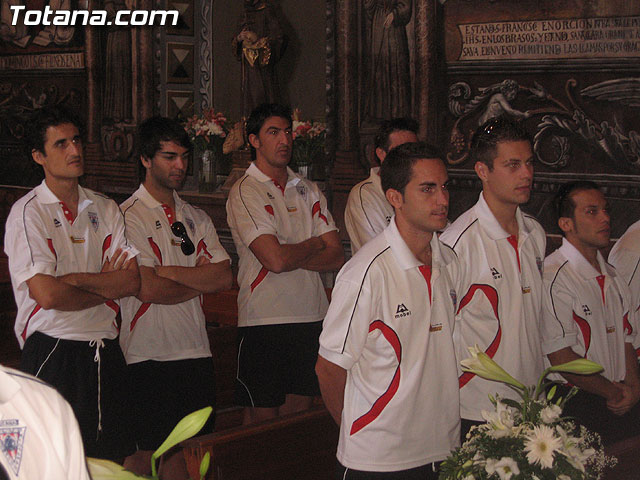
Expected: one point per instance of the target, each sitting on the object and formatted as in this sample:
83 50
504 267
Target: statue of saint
389 78
259 44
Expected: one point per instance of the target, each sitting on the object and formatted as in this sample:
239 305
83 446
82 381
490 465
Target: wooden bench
300 446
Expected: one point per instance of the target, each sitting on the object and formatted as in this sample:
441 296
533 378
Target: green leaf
186 428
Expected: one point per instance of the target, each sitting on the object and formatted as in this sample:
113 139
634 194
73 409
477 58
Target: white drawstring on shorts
98 344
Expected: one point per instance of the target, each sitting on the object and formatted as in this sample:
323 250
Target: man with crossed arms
69 259
164 336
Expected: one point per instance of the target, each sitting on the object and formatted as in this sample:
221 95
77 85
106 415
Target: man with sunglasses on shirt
502 250
284 235
163 334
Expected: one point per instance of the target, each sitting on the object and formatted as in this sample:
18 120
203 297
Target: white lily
481 364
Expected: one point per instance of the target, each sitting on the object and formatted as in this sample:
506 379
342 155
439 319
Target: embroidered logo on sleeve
12 442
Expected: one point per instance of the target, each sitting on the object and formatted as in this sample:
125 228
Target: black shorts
69 366
276 360
164 392
425 472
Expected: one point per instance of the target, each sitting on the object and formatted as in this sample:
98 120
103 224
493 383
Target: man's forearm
332 379
109 285
596 384
329 259
161 290
278 258
208 278
51 293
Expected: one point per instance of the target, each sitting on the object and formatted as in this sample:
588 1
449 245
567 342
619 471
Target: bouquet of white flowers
527 439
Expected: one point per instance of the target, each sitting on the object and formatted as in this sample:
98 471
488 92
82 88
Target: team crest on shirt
539 264
454 298
402 311
191 225
12 442
302 191
56 223
93 218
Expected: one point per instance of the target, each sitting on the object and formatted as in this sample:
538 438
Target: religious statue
118 101
389 79
259 44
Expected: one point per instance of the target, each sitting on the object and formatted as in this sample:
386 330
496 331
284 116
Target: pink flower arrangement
207 130
308 139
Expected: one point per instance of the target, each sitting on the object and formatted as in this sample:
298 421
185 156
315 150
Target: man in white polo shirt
284 235
502 250
387 365
39 434
68 260
368 212
164 336
587 313
625 256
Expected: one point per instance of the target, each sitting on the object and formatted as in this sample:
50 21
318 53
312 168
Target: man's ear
394 197
481 170
565 224
380 154
37 156
146 162
254 140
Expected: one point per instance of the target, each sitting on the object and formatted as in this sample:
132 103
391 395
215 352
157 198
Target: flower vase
208 171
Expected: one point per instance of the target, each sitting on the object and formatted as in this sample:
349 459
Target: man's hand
628 398
117 262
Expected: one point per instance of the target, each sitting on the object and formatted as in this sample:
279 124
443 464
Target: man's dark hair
397 169
486 138
43 118
155 130
563 201
260 114
387 127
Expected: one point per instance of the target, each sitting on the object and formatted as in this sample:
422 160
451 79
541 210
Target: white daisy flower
541 445
550 413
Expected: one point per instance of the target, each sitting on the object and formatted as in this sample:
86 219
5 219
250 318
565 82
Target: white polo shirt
585 310
625 257
367 212
499 308
39 434
166 332
41 237
257 206
394 337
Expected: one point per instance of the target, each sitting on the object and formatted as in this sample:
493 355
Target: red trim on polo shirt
202 247
425 270
380 404
513 240
316 209
600 279
261 276
67 212
585 328
26 326
280 187
168 211
156 249
492 295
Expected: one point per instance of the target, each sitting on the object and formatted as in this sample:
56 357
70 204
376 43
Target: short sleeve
249 213
558 329
27 245
322 218
136 235
118 231
209 246
346 325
